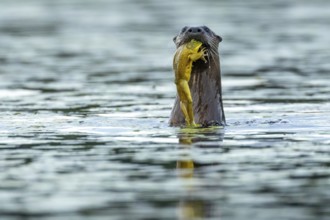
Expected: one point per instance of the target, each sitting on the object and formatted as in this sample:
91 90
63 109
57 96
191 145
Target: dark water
86 89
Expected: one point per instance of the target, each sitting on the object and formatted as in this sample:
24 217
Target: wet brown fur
205 81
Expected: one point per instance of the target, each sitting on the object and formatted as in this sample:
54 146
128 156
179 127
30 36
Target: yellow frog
183 60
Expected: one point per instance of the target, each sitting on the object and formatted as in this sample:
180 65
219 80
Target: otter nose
195 30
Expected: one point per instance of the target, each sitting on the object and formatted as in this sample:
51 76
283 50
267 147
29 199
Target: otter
205 81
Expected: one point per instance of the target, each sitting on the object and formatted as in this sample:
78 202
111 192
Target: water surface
86 89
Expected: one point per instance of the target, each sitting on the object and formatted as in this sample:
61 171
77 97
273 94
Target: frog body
183 61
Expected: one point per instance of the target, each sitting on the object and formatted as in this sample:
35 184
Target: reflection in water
191 208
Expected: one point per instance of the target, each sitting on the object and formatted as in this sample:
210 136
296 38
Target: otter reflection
191 207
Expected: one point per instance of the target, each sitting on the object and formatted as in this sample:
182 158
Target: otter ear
174 39
219 38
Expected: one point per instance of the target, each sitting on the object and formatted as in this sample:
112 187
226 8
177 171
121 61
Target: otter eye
207 29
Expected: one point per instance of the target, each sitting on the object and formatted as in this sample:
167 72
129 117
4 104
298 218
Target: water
86 90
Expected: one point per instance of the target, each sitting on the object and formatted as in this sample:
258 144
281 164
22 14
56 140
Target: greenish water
86 89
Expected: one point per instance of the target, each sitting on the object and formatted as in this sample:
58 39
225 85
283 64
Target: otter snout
199 33
194 30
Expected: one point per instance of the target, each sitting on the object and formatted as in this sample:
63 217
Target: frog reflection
193 208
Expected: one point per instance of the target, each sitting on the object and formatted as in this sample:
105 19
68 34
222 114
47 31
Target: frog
184 58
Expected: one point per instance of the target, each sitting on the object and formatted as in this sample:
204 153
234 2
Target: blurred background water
86 89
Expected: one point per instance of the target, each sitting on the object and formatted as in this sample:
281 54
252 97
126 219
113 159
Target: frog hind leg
185 112
187 103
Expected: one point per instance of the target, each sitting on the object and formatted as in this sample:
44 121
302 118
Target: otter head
200 33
